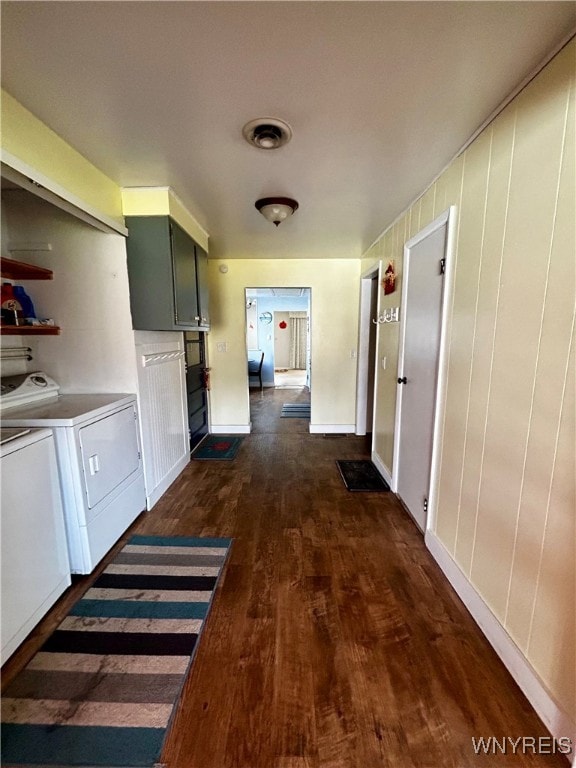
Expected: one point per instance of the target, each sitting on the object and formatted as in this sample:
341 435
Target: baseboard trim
382 468
230 429
332 429
167 481
549 711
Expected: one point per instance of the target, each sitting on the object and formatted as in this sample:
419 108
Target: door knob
403 380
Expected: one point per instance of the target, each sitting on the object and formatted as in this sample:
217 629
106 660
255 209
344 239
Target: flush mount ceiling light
276 209
267 133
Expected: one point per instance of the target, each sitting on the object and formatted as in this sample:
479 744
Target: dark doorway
196 383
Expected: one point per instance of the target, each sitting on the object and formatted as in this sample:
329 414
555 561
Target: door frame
363 374
447 218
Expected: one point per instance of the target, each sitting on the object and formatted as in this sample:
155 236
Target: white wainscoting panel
162 394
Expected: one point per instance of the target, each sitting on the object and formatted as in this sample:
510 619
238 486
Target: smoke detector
267 133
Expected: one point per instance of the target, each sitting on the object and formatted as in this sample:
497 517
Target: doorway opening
278 326
367 344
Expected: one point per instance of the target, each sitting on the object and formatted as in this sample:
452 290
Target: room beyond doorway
289 378
278 326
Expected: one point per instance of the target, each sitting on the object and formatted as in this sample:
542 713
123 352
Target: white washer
99 459
34 564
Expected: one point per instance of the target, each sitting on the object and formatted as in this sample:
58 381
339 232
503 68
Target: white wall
252 324
281 339
88 297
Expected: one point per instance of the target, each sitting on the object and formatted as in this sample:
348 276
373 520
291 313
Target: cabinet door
184 267
150 273
202 280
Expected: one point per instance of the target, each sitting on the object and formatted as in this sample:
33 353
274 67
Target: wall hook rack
390 315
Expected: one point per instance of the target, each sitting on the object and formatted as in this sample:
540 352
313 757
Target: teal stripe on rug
47 745
136 609
179 541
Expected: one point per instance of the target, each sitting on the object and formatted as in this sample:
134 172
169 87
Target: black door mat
361 476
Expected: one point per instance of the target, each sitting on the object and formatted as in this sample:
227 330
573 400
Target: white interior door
424 266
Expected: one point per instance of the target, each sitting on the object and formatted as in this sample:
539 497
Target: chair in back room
255 369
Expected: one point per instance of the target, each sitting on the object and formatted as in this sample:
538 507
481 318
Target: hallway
266 407
334 641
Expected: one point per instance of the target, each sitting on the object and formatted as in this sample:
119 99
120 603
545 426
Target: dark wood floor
334 640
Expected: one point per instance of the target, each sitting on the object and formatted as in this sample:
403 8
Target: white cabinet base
35 567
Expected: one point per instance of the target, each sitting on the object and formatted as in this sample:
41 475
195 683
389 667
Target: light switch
383 363
222 346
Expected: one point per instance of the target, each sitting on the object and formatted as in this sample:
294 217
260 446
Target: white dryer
99 459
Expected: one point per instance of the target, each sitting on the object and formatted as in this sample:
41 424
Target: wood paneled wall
506 509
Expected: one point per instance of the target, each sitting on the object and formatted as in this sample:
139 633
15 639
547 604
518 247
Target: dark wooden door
195 386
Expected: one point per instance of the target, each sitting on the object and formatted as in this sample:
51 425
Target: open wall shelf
19 270
29 330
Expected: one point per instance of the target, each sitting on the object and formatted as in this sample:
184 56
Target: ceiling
380 97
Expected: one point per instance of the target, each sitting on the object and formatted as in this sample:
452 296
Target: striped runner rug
295 411
102 689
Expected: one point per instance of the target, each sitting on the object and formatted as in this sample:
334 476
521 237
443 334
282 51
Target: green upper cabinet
167 273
